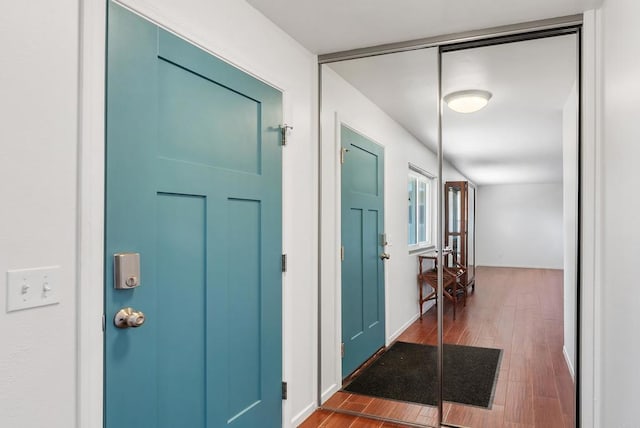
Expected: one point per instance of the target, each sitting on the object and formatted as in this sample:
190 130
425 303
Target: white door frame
90 252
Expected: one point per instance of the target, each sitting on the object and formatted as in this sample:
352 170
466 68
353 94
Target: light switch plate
29 288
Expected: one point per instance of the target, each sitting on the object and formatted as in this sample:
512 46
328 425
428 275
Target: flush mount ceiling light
467 101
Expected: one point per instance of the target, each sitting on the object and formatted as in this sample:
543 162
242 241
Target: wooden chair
451 281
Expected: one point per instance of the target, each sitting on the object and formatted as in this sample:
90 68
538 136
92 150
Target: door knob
128 317
385 256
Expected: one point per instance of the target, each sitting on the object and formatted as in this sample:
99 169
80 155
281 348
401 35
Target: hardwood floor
516 310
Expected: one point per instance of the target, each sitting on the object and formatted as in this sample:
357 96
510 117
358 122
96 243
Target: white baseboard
300 417
569 364
399 331
329 392
406 325
430 304
492 265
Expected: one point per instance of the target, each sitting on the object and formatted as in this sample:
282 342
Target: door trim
91 193
90 229
337 376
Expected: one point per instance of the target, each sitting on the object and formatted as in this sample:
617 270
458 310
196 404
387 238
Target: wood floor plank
566 396
380 407
407 412
365 423
338 420
547 413
316 419
353 406
516 310
500 394
519 370
464 416
519 406
494 418
336 400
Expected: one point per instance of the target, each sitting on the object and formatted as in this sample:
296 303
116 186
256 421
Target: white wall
341 103
570 222
38 182
38 142
520 225
620 299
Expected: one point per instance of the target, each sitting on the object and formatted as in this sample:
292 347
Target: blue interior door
362 268
193 185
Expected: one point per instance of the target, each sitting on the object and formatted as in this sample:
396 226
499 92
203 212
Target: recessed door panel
181 284
204 122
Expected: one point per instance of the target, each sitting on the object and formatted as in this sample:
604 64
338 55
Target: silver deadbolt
128 317
126 270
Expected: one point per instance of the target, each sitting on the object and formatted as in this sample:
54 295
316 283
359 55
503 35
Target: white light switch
28 288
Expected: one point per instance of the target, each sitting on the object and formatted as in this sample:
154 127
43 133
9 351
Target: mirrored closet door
509 133
448 220
379 186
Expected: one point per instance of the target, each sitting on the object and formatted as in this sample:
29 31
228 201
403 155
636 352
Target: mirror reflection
514 339
379 143
509 195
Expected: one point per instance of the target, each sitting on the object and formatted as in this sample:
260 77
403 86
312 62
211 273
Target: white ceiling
516 138
324 26
404 85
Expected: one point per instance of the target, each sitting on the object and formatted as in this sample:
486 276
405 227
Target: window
420 185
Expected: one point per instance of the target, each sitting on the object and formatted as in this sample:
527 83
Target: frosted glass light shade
467 101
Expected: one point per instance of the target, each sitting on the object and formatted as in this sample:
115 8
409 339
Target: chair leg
464 295
420 302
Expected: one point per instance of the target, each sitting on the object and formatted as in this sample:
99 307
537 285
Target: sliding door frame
480 38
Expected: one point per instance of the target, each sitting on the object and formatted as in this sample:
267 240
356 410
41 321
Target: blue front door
362 268
193 184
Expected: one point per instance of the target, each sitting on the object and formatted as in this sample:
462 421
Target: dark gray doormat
408 372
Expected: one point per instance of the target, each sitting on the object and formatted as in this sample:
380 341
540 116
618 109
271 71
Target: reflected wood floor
516 310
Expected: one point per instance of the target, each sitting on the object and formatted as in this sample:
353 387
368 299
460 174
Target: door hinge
284 390
342 152
342 252
284 263
284 130
104 322
342 350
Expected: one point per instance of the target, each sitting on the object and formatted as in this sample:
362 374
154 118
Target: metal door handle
385 256
128 317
